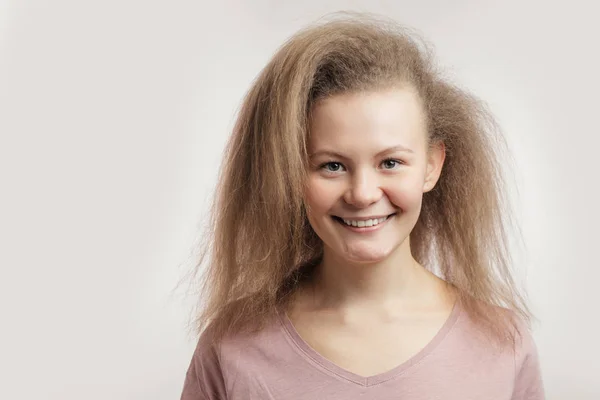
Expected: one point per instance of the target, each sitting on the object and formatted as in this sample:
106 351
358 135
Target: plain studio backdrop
113 116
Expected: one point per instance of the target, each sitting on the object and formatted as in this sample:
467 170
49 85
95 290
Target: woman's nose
364 189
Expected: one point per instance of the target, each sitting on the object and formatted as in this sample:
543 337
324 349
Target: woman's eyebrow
394 149
335 154
330 153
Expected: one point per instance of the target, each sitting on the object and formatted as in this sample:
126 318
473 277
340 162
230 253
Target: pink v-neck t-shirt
277 364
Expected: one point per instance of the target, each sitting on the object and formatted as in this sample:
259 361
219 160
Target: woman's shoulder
232 347
528 374
496 324
217 359
204 378
510 353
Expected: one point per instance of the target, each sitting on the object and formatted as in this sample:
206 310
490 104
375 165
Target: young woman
358 245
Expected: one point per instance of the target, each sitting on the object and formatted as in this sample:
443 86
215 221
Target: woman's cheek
405 194
318 195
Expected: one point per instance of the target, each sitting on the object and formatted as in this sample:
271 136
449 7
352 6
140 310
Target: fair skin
371 306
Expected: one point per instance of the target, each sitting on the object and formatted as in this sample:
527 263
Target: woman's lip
365 218
364 229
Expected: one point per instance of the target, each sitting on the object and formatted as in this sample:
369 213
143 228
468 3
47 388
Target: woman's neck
398 281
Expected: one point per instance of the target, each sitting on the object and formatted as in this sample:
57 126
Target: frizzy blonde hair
260 244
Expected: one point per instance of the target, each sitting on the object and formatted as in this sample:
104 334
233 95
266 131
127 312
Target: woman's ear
435 161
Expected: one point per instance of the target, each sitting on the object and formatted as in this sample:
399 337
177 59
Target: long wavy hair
259 245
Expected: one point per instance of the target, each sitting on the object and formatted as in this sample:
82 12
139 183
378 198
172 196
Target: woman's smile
363 225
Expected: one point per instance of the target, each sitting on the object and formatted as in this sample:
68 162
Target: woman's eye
332 166
390 164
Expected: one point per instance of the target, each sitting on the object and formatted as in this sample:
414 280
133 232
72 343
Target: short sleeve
528 382
204 378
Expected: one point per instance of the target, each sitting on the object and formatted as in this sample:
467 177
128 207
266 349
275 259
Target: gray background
113 115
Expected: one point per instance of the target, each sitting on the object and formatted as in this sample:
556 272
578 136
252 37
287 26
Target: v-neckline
307 351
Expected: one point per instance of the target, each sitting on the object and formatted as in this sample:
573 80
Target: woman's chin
364 252
366 256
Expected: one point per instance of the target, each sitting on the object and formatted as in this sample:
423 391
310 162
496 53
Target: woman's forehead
381 118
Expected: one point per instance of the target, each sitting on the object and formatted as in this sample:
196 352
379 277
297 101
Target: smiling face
370 165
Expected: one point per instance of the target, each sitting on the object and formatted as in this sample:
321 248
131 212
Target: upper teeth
368 222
